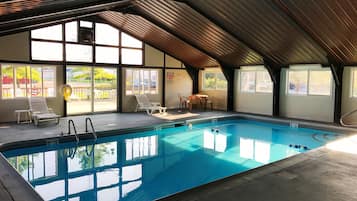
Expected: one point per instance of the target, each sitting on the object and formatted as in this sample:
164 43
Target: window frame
255 82
28 76
308 83
141 89
215 81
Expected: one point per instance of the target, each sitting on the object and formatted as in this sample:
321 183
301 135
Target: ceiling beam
227 30
11 25
282 7
143 14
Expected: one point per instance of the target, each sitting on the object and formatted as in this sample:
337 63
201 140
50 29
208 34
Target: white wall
178 82
15 47
258 103
218 97
318 108
349 103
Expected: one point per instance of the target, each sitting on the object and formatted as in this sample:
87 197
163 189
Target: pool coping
27 192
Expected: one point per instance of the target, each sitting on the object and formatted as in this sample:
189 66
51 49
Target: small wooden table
27 114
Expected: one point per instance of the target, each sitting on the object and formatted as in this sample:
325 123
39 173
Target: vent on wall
86 35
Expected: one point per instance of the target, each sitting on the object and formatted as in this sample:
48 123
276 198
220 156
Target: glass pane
7 81
107 55
247 83
136 81
48 33
264 83
297 82
154 81
129 82
209 80
21 81
106 34
221 82
131 56
36 81
72 31
320 83
79 53
146 81
354 87
79 78
105 89
129 41
86 24
49 81
46 51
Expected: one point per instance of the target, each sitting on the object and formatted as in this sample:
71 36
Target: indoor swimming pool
153 164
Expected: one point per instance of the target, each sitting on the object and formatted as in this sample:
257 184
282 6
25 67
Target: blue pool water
153 164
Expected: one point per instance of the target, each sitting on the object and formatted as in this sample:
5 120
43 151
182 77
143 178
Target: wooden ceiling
210 32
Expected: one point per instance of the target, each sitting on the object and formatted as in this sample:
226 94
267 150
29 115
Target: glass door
105 89
93 89
80 79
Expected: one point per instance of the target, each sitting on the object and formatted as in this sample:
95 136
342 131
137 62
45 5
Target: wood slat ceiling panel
333 23
263 26
194 27
157 37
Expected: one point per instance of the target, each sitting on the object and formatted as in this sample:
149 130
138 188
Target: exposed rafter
14 23
143 14
227 30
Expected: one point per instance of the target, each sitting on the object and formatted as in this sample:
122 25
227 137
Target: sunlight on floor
347 145
169 116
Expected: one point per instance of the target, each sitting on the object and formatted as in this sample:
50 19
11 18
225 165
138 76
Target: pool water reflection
153 164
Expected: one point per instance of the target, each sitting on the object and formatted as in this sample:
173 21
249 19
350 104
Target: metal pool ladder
74 128
91 124
346 115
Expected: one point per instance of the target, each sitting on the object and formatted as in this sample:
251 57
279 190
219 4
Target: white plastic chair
150 107
40 111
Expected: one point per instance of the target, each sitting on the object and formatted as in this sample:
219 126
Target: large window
309 82
93 89
214 81
46 45
141 81
354 83
255 82
108 44
24 81
131 51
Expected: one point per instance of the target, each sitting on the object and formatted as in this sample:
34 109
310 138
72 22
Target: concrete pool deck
321 174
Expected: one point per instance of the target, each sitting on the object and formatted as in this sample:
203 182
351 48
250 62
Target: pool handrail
346 115
74 128
91 124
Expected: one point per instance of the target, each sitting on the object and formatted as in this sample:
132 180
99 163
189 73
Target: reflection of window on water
108 194
104 154
80 184
141 147
50 191
131 178
255 150
36 166
214 141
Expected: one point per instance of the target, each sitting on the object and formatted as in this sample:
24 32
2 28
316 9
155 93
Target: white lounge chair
40 111
150 107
